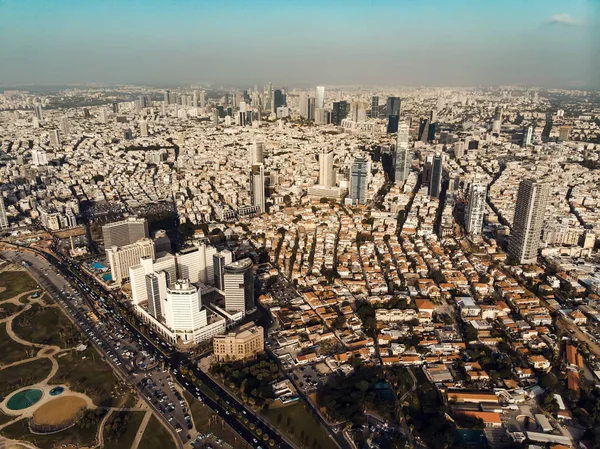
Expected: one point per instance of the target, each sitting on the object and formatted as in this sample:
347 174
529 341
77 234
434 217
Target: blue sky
430 42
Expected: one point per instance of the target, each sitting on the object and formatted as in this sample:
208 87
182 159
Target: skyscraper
435 187
202 99
358 181
38 112
374 106
393 106
339 112
143 128
475 208
64 125
239 286
125 232
167 97
257 155
221 259
3 217
326 176
55 138
424 130
320 97
257 181
403 158
527 136
279 99
528 220
392 126
303 105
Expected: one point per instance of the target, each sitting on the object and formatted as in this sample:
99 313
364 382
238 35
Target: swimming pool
98 266
107 277
24 399
57 390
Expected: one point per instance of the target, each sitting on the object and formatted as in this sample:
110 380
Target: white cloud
563 19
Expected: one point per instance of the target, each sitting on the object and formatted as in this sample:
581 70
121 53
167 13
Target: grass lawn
23 375
16 282
8 309
121 428
156 436
46 325
87 373
82 434
206 421
298 423
10 350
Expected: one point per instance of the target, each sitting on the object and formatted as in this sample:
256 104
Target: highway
65 276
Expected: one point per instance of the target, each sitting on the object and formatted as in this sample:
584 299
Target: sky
547 43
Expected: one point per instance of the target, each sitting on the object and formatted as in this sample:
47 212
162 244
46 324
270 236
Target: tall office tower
215 117
326 175
238 281
121 258
143 128
424 130
459 149
475 208
528 220
527 136
433 116
195 99
221 259
183 311
167 98
303 105
358 181
393 106
103 117
156 292
257 181
339 112
115 108
3 216
64 126
202 99
55 138
374 106
38 112
257 155
209 252
191 264
278 99
563 133
241 118
86 113
124 232
322 117
311 108
435 187
427 171
403 158
392 126
320 97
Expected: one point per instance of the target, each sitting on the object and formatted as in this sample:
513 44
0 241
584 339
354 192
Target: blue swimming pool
56 391
107 277
98 266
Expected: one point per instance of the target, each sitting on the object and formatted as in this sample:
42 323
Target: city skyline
545 43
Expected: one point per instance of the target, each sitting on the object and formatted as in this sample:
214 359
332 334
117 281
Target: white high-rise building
257 156
320 97
475 208
326 175
121 258
221 259
55 138
257 180
209 252
182 311
403 158
3 216
238 281
143 128
65 128
528 221
39 157
191 264
156 285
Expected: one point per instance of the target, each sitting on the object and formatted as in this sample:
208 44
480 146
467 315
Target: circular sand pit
58 413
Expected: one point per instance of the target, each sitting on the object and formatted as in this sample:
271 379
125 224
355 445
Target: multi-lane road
78 296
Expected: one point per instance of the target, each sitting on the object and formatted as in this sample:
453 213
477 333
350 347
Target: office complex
245 342
238 281
121 258
326 174
320 97
403 159
393 106
435 186
475 208
339 112
359 181
532 197
124 232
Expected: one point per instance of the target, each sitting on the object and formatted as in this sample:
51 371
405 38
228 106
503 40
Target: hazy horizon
546 43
